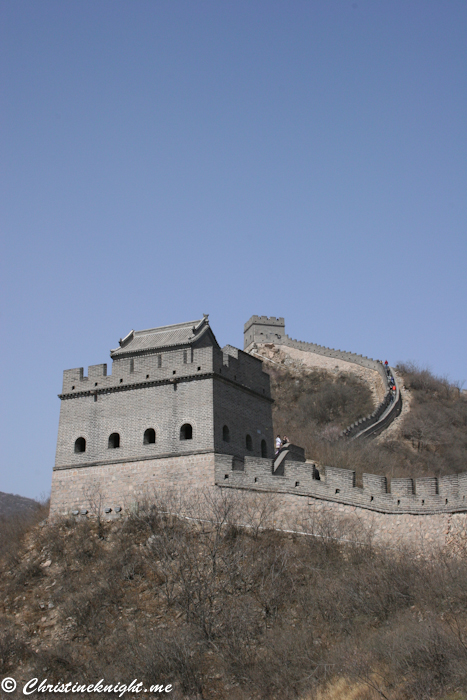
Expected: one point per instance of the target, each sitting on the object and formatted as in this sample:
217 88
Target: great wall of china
181 371
261 330
426 509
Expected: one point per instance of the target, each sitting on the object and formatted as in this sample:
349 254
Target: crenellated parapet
168 366
421 496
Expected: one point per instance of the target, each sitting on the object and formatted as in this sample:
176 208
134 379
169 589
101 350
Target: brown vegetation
222 611
312 407
316 404
14 523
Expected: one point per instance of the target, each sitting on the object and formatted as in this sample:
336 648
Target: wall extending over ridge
264 329
383 415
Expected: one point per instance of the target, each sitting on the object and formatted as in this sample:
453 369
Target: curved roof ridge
161 337
172 326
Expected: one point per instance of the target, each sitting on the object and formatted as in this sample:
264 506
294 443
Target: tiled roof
165 336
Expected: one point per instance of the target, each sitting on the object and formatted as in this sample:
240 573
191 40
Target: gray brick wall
243 413
163 407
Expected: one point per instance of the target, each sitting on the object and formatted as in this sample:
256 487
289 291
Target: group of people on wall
391 380
281 442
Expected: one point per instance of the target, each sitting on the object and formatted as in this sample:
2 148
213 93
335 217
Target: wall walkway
383 415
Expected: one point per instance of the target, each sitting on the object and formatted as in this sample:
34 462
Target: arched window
264 449
149 436
80 445
114 441
186 432
249 443
225 434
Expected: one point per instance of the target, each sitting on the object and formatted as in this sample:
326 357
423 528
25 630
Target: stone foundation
121 485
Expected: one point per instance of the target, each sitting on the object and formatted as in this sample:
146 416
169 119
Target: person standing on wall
278 443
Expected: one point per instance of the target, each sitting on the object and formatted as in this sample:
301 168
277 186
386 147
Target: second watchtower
263 329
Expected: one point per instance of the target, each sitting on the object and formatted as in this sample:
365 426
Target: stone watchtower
173 404
263 329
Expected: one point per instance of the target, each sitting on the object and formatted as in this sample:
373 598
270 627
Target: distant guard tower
263 329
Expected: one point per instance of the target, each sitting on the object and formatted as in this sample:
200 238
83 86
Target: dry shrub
174 657
287 664
416 659
226 611
313 401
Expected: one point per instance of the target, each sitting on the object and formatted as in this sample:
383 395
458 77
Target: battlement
264 321
130 371
425 495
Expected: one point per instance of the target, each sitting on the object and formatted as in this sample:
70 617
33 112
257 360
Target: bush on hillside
250 615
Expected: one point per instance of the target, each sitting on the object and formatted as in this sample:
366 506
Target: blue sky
165 159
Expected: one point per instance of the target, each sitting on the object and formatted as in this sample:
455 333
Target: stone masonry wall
343 521
422 533
119 486
244 414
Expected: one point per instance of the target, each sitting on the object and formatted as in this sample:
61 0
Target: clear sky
163 159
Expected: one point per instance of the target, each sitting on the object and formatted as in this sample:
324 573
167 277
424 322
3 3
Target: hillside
11 504
313 405
225 613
